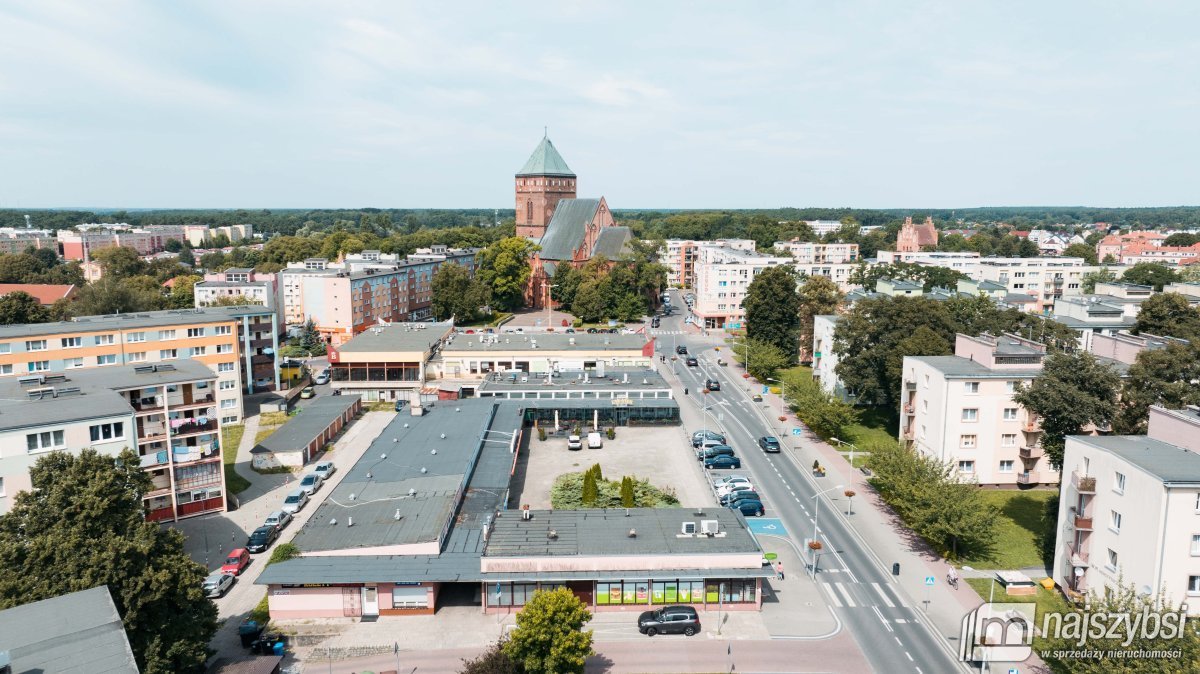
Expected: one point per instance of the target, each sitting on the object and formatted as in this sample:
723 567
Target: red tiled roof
44 293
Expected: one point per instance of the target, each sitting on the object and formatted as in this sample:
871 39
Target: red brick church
568 230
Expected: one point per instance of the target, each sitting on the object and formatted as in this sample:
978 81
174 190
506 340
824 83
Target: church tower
540 184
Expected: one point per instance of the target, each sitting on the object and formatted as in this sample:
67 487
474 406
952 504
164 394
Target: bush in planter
611 433
541 434
815 545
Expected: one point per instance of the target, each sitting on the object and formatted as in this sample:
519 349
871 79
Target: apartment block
1116 245
1046 279
807 252
824 357
13 240
722 275
838 273
679 257
166 412
238 344
960 409
1130 511
254 287
965 262
1090 315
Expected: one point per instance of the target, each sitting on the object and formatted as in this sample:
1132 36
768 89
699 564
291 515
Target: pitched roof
567 228
546 161
613 242
77 632
44 293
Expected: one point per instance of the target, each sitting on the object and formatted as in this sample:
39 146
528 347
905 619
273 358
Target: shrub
541 434
611 433
567 493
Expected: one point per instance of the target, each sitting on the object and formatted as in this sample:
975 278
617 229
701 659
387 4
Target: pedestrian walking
684 390
779 570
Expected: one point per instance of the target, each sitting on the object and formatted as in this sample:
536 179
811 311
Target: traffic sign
766 389
929 580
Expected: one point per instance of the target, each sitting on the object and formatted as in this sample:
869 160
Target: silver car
217 584
325 469
294 501
278 519
311 483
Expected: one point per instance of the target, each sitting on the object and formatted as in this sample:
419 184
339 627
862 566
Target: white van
595 441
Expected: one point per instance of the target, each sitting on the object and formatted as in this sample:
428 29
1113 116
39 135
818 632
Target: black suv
669 620
262 538
681 350
712 385
692 362
769 443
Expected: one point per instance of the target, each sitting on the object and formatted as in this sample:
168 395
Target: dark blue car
722 461
748 506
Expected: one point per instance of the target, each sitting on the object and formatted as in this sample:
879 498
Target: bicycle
952 580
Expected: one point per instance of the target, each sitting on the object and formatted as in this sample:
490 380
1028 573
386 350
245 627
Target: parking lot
663 455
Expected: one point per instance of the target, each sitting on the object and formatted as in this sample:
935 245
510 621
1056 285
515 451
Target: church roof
567 228
613 242
545 161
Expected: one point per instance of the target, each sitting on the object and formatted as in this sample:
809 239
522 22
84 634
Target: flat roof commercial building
304 435
599 398
76 633
386 362
470 358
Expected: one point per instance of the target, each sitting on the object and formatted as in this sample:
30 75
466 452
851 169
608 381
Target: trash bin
277 648
896 569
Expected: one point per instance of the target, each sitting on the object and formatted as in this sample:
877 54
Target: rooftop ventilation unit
552 534
688 528
633 533
709 527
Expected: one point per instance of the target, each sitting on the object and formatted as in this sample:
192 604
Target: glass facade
375 372
639 592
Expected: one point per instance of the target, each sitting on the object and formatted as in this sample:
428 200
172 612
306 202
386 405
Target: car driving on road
681 350
712 385
307 392
769 443
669 620
691 361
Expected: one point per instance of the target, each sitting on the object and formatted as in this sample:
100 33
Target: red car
236 562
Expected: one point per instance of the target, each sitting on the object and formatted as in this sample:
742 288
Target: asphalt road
887 624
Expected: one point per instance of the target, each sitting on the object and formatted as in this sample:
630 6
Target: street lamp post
991 596
548 287
782 401
816 517
850 445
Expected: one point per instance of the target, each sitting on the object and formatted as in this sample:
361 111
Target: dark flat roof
148 319
76 633
614 378
1171 464
307 425
397 337
957 366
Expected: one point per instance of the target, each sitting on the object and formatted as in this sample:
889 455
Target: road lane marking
845 593
910 658
832 596
898 641
883 595
882 619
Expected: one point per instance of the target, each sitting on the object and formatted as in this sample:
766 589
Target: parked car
769 443
734 482
712 385
739 494
722 462
669 620
574 442
217 584
748 506
591 331
308 392
681 350
691 361
717 450
706 444
700 436
261 538
401 404
325 469
295 501
570 331
322 377
595 440
311 483
278 519
756 398
236 562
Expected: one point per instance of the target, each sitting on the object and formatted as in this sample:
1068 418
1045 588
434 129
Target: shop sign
622 402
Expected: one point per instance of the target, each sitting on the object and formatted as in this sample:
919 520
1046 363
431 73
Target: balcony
263 343
909 434
1079 556
262 359
1031 452
1032 424
910 409
147 405
1082 523
1028 477
1084 484
191 427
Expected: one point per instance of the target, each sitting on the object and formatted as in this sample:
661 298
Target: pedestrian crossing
668 332
852 595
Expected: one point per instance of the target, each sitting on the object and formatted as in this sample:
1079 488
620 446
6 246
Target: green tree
114 296
183 291
590 491
818 296
84 525
1088 253
20 268
1165 377
1102 275
1190 274
214 261
119 262
504 268
761 359
456 294
1168 315
929 277
1182 239
186 257
549 637
627 492
310 340
1150 274
231 301
173 246
493 660
773 311
1073 391
827 415
20 307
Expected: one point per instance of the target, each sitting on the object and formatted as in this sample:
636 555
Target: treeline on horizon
647 223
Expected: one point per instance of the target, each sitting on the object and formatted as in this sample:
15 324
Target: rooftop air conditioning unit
709 527
688 528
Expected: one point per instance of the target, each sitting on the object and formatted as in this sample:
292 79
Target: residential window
228 385
136 337
35 345
926 381
229 420
167 354
1112 559
195 332
1119 482
39 365
225 367
967 441
166 334
1006 466
1010 386
104 432
971 387
224 348
1193 582
1008 440
970 414
966 466
1 487
137 357
6 369
5 347
229 403
221 330
108 359
1114 522
1010 414
72 342
106 339
37 442
1196 545
199 350
72 363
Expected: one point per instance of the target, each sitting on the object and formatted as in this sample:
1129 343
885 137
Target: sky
285 104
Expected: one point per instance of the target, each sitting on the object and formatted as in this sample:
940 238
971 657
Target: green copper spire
546 161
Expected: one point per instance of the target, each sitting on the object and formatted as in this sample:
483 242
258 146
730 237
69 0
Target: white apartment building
825 359
965 262
823 227
1130 511
807 252
1044 278
960 409
1090 315
256 288
723 274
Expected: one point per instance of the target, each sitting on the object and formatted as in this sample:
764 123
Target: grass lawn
1046 600
1020 529
264 433
485 321
876 425
231 437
